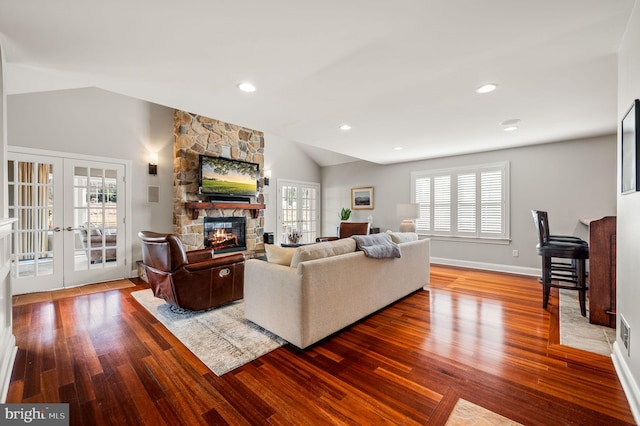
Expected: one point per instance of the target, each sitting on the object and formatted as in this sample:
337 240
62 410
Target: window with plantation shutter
467 202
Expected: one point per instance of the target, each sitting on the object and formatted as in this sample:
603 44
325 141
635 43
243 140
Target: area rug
221 338
467 413
577 332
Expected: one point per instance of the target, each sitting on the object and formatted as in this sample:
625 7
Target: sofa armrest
272 298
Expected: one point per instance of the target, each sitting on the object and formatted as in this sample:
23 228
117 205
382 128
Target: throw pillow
279 255
402 237
92 230
377 246
324 249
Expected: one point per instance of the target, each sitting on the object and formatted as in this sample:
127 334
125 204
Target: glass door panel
96 216
32 195
299 210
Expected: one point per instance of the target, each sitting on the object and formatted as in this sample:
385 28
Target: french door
298 210
70 228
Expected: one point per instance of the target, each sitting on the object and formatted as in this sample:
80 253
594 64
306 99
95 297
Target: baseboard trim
6 369
629 385
494 267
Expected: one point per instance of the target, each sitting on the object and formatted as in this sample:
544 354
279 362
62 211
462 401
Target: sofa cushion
279 255
402 237
377 246
324 249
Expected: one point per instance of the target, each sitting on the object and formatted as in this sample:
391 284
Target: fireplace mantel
196 206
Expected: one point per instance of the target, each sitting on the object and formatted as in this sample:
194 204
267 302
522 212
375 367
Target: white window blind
466 202
442 204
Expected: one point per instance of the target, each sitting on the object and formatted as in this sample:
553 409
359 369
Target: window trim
453 173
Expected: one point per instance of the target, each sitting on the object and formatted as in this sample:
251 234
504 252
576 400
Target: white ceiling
401 73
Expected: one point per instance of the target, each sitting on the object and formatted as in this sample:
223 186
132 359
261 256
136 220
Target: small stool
568 274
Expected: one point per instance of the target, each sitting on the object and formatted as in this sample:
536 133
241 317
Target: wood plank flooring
475 335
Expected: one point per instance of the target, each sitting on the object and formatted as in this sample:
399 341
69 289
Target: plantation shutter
491 205
423 198
470 202
442 203
466 203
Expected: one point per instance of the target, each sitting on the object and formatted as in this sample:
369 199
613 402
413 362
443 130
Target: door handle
57 229
71 228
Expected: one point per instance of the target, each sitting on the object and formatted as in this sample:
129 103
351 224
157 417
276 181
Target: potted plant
345 214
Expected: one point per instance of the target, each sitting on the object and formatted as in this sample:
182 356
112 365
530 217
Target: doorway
298 210
71 227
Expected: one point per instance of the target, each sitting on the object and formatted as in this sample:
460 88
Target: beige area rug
467 413
221 338
48 296
577 332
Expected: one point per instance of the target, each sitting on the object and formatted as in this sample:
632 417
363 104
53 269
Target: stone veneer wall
195 135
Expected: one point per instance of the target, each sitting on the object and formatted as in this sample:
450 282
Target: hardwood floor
475 335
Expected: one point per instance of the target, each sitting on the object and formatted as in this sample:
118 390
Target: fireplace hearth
225 234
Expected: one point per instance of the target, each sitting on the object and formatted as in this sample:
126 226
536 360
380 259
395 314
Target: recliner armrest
215 262
194 256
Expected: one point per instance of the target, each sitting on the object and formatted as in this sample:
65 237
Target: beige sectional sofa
330 286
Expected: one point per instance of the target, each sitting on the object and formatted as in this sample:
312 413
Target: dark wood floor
475 335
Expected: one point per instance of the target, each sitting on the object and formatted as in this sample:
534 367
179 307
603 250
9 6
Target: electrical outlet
625 334
516 253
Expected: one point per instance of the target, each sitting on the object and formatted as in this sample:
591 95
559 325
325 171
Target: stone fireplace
195 135
225 234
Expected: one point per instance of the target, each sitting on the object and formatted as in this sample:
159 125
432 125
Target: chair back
163 252
348 229
541 221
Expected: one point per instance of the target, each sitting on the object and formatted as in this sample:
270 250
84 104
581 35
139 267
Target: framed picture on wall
362 198
630 168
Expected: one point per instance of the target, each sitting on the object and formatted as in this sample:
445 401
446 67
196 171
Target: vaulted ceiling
402 74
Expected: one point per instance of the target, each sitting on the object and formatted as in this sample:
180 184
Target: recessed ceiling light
397 148
247 87
510 128
486 88
510 122
345 127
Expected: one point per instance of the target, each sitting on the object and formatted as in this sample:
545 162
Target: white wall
571 180
286 161
628 237
99 123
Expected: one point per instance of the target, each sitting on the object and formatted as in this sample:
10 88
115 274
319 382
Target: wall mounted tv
226 179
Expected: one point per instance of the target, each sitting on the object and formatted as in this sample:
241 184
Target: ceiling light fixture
247 87
510 128
487 88
345 127
397 148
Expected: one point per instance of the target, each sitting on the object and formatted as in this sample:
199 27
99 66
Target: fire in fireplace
225 234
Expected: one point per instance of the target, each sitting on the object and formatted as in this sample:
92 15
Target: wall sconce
153 163
408 212
267 177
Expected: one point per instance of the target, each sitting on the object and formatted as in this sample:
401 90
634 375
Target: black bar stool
568 274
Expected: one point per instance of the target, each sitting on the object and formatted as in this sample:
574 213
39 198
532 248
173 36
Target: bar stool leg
546 280
582 285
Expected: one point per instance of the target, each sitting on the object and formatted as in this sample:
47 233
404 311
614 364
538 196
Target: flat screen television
226 179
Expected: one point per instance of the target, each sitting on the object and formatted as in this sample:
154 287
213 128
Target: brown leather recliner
193 280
